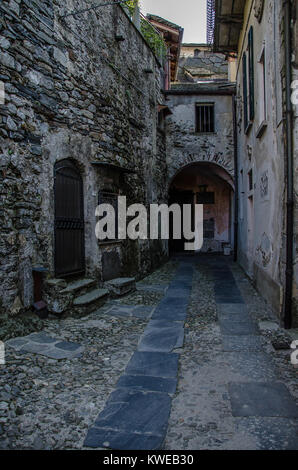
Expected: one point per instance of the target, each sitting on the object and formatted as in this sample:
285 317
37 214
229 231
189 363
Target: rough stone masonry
76 88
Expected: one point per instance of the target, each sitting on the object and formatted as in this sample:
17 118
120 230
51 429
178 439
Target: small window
205 118
251 74
205 198
262 105
209 229
196 52
250 180
248 81
161 120
245 90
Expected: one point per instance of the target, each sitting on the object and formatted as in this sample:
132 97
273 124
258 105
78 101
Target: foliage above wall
151 35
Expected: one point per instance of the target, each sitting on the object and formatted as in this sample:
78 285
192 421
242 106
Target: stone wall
295 109
72 90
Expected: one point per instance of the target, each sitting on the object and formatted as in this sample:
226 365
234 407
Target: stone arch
194 160
209 183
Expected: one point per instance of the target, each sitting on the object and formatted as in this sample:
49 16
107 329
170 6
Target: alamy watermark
294 355
294 96
187 223
2 353
2 93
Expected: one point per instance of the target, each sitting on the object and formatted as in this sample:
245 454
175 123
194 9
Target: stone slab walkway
137 412
45 345
196 366
122 310
261 396
232 393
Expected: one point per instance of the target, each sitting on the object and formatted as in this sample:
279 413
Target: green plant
152 37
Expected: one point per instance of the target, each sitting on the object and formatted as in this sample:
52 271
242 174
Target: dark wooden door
69 220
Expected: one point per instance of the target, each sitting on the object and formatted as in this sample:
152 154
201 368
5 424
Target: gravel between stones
50 404
201 416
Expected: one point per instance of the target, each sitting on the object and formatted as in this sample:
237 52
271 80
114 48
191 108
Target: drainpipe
236 179
289 167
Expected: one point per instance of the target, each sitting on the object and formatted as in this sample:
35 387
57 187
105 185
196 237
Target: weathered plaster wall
262 208
186 148
73 91
185 145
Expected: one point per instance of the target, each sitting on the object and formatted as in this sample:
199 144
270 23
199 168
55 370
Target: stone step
121 286
90 297
78 285
87 303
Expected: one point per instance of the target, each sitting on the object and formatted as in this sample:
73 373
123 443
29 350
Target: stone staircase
78 297
82 296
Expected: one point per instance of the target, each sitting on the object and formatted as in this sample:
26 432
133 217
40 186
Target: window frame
248 72
198 128
262 96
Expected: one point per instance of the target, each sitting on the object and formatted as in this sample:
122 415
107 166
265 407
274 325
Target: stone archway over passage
208 184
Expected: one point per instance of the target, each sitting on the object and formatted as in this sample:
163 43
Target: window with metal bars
205 118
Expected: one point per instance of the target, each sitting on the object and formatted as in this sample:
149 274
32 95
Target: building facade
263 34
200 142
78 128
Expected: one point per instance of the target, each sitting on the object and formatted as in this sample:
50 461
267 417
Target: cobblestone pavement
48 403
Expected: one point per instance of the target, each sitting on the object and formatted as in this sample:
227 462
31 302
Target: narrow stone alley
192 360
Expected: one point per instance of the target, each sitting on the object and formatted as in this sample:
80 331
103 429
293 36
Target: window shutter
244 70
251 75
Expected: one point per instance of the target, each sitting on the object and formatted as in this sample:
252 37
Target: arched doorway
208 184
69 220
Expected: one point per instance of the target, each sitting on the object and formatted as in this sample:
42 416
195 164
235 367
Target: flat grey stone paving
162 336
103 438
156 364
147 383
227 299
268 399
152 287
45 345
252 366
234 317
137 412
171 309
42 338
233 328
123 310
269 433
232 308
242 343
176 292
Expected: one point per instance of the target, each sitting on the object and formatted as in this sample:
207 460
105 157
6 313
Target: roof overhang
172 35
228 24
